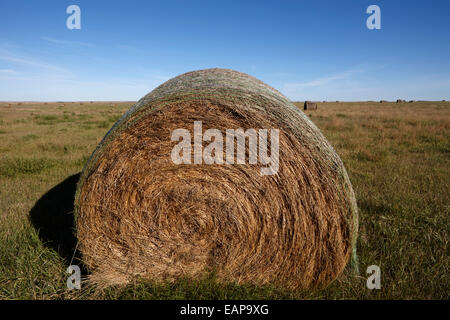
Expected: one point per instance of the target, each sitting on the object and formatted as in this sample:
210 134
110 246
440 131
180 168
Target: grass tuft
12 167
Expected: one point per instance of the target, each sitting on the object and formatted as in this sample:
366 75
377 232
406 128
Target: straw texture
140 215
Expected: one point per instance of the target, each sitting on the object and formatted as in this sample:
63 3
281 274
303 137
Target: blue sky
309 50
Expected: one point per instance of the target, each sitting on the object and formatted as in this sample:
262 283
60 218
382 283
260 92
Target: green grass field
397 157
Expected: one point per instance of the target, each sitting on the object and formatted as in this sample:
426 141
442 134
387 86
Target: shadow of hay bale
52 216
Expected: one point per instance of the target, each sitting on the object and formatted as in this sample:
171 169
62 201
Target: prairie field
397 156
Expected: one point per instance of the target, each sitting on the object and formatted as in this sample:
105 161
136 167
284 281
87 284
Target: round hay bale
138 214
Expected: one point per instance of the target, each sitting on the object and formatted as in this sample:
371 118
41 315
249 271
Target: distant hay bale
139 215
383 101
310 105
400 101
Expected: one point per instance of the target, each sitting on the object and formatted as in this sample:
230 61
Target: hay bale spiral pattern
140 215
